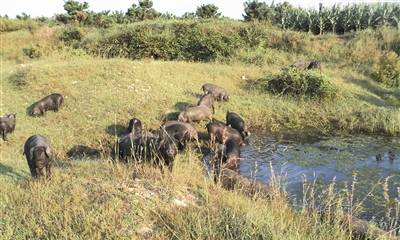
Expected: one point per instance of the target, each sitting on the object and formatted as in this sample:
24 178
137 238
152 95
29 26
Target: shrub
37 50
191 41
21 76
294 82
71 36
387 71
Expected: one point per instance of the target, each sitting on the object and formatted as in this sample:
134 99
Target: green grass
99 200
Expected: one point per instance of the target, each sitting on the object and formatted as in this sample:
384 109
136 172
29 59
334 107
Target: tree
207 11
255 10
72 7
23 16
76 11
189 15
142 11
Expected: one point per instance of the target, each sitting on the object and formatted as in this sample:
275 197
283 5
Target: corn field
338 19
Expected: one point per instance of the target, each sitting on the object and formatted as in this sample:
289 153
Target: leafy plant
300 83
207 11
388 70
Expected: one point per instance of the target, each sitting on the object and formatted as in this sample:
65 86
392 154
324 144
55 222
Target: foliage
142 11
387 71
300 83
8 25
337 19
207 11
33 52
71 36
76 11
23 16
175 41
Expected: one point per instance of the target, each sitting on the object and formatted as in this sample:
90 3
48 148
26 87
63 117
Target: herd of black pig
161 146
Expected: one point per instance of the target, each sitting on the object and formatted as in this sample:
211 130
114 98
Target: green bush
301 83
183 40
387 71
72 36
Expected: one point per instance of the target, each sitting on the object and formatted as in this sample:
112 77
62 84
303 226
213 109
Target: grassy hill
94 199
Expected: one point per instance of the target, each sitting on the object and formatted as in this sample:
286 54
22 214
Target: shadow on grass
181 106
116 129
253 84
10 172
79 152
375 88
193 94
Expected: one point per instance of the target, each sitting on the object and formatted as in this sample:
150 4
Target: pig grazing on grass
195 114
147 147
207 100
301 65
39 155
218 92
314 65
141 145
7 125
221 133
135 127
52 102
236 122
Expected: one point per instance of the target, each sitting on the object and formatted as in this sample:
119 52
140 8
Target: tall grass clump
9 25
387 71
300 83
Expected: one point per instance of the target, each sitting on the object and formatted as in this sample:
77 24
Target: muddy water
368 160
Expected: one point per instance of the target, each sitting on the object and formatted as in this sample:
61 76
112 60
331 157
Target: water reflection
366 159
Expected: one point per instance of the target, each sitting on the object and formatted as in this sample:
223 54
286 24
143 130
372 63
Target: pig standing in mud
7 125
236 122
221 133
232 155
141 145
39 155
182 132
218 92
52 102
195 114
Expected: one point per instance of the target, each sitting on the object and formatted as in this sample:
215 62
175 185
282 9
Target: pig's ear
48 152
31 153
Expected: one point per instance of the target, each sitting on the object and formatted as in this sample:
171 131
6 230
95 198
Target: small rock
145 232
179 203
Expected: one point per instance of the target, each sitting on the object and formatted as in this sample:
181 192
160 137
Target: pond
365 159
